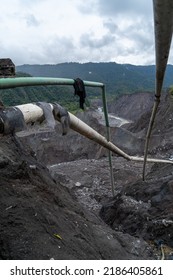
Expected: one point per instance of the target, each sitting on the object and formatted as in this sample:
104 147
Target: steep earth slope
145 209
41 218
56 199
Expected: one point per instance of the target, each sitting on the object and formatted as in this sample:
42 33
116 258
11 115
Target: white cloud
54 31
31 20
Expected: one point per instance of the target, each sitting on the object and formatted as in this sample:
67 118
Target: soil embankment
56 199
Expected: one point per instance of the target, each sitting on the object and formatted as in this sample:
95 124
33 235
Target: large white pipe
32 113
81 127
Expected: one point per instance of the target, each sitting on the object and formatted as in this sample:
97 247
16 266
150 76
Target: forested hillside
118 78
61 94
22 95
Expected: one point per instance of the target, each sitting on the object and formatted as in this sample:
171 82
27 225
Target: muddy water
114 121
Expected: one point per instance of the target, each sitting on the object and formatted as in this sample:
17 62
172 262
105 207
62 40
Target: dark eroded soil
55 192
41 218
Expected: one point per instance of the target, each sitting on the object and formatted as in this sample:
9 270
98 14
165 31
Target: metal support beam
41 81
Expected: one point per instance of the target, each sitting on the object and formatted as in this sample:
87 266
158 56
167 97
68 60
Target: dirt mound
41 218
162 133
132 106
144 209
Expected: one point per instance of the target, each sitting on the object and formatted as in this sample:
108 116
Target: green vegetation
62 95
118 78
171 90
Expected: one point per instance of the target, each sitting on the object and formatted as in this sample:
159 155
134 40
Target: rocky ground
56 199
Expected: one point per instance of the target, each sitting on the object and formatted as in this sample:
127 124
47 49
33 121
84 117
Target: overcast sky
56 31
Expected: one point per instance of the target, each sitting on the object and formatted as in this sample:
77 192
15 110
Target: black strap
47 111
79 88
62 114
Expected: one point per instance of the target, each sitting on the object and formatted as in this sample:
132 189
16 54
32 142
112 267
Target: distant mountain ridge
118 78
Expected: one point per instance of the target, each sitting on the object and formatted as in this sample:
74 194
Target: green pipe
105 109
6 83
40 81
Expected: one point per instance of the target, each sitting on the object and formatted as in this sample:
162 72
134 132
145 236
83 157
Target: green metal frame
6 83
40 81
